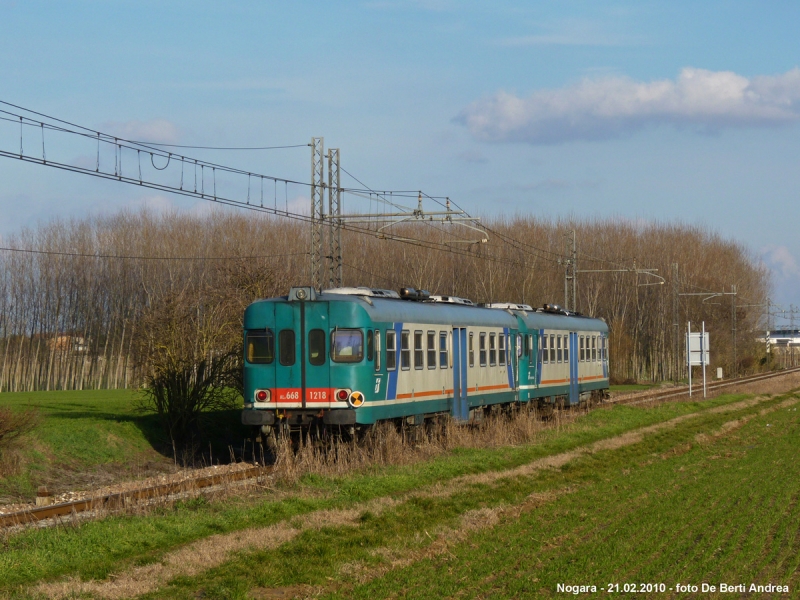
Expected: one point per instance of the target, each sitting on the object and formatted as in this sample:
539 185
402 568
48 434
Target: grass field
85 439
682 493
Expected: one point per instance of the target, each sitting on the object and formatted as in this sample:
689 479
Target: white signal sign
697 344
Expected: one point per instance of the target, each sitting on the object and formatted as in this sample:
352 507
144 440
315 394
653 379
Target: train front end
300 371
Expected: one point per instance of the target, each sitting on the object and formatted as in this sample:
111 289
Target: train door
316 372
512 359
289 366
519 344
460 408
533 353
574 395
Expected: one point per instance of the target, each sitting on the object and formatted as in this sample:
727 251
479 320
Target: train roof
390 308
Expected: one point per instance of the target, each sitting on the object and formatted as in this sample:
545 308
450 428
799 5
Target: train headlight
356 399
342 395
263 395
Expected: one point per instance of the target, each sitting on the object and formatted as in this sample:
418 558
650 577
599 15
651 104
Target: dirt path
213 551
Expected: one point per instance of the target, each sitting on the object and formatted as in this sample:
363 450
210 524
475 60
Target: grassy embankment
89 438
711 497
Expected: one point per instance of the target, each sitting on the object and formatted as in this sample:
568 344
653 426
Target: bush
184 394
13 425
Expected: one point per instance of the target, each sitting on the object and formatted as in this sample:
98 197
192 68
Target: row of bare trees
96 303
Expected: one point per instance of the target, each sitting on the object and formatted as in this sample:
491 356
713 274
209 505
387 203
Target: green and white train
354 356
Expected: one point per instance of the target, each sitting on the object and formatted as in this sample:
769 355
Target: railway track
120 500
683 390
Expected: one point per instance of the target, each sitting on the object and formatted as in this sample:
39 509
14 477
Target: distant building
785 338
63 343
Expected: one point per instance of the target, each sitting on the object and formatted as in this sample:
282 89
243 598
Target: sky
646 111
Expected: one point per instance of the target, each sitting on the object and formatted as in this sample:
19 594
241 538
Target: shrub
13 425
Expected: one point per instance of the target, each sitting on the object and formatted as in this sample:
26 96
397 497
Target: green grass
725 511
664 510
89 438
642 501
79 431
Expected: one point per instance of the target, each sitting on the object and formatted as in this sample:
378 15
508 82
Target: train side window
492 349
443 350
566 348
482 348
471 350
431 349
559 354
501 349
552 348
405 351
419 353
545 352
605 349
594 348
316 347
347 345
391 350
286 347
377 350
370 346
582 352
260 347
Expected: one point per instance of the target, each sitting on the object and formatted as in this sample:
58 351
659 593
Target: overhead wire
120 142
155 258
221 147
155 148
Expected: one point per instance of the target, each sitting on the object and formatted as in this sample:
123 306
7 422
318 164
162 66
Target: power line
220 147
120 143
129 257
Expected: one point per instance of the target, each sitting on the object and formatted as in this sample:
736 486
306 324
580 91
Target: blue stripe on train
391 384
539 359
574 396
509 362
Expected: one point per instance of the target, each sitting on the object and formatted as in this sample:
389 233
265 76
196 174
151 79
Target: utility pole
334 220
570 270
733 330
317 210
766 337
675 331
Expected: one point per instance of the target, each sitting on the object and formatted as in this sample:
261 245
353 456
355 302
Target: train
347 358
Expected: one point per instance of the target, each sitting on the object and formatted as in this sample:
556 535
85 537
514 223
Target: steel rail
120 500
684 390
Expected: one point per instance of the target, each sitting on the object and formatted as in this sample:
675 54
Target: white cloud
570 32
154 203
781 261
785 270
597 109
155 130
299 205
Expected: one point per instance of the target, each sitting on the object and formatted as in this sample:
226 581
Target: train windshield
347 345
260 346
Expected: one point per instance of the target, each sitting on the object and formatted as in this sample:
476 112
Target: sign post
697 353
689 354
703 352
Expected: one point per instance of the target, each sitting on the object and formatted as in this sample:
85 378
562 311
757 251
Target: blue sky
638 110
